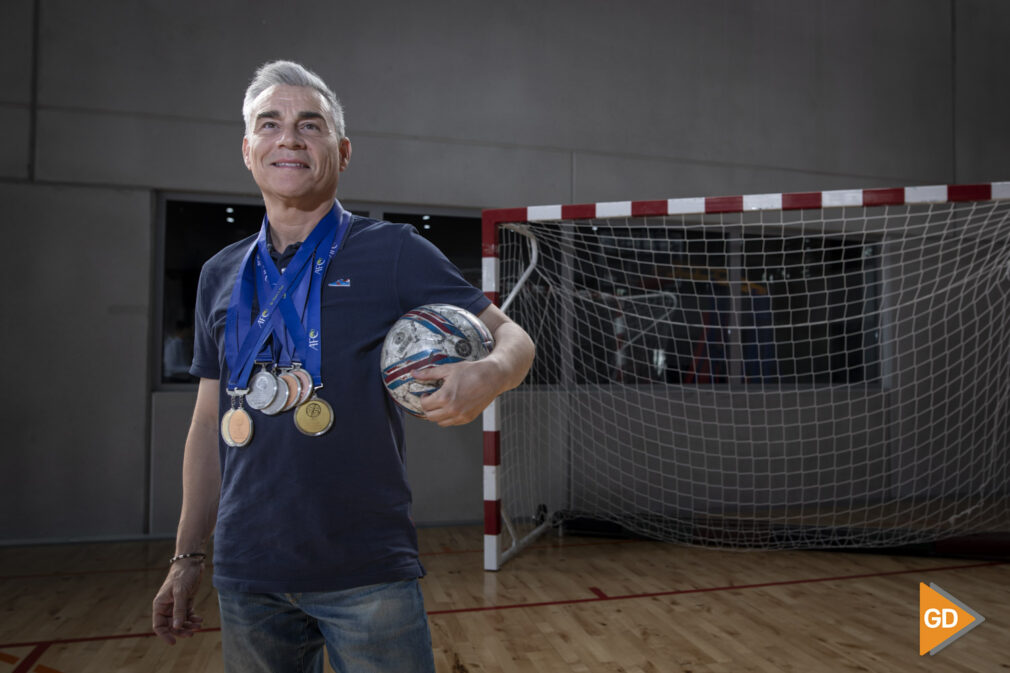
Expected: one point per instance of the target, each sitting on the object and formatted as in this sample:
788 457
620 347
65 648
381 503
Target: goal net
818 370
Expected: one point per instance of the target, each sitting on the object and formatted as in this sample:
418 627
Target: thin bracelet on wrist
196 555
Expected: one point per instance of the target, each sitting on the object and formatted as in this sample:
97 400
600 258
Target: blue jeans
381 628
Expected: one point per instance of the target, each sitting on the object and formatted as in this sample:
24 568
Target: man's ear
245 152
345 153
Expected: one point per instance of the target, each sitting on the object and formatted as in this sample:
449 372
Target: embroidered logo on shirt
341 282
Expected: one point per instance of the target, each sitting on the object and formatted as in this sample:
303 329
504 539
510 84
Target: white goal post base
807 370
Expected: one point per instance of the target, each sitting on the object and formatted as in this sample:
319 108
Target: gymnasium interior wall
464 104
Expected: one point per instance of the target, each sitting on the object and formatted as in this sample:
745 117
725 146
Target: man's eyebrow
305 114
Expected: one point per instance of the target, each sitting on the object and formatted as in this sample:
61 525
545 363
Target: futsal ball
428 336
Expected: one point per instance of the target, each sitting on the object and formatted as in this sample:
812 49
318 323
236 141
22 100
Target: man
314 543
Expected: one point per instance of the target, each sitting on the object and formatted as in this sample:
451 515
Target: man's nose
291 137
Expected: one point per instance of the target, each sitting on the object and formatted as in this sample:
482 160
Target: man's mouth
289 164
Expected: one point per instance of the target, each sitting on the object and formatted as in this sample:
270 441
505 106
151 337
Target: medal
262 389
240 427
314 417
305 391
294 390
236 424
224 428
280 397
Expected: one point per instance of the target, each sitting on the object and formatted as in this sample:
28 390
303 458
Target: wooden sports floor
568 604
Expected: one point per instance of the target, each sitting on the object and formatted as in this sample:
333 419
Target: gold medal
240 427
314 417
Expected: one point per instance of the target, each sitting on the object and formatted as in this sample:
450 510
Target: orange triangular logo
942 619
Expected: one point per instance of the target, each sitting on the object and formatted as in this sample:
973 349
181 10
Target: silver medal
262 389
280 397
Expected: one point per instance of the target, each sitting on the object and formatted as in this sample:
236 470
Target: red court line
599 596
33 656
679 592
94 639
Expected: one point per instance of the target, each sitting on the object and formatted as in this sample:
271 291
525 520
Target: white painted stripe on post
536 213
838 198
1000 190
491 482
614 209
492 552
685 206
926 194
489 274
491 417
762 202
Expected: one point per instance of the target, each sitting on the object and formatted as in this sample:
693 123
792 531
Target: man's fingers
173 615
162 611
430 372
192 624
163 629
181 611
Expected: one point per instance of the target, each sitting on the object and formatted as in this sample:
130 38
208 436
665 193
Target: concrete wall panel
14 153
17 37
860 89
405 170
77 343
95 147
982 98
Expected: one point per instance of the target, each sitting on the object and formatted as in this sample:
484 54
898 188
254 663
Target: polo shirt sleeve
426 276
206 359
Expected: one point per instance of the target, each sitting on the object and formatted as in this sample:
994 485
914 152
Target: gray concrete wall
76 342
450 103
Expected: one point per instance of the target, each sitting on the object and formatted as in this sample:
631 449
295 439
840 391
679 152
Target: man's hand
173 606
467 387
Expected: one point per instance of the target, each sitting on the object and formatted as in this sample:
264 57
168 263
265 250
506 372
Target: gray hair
292 74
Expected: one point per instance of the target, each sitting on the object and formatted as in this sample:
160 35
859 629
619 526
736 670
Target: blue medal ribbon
300 281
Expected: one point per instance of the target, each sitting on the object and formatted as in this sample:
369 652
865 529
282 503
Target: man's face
292 150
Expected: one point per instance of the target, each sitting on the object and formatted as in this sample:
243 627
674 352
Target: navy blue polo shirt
326 513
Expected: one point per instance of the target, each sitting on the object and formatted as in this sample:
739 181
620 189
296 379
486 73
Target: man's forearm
201 474
513 352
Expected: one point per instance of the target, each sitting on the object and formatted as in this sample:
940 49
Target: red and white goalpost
815 370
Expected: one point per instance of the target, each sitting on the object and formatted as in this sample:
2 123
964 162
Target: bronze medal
224 427
239 426
306 380
314 418
294 390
